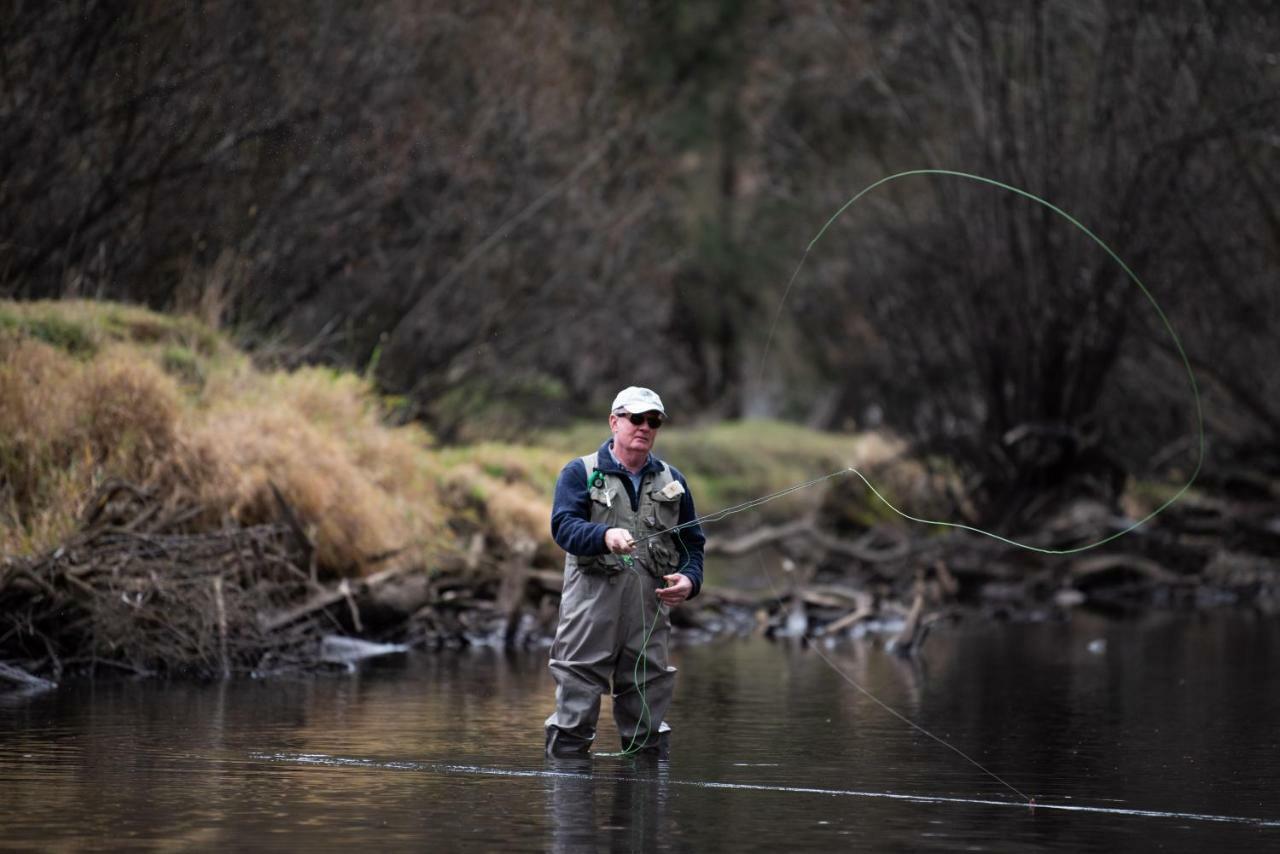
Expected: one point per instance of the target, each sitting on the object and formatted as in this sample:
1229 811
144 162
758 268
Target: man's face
635 437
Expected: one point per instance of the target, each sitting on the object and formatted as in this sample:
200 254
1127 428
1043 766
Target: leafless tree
510 209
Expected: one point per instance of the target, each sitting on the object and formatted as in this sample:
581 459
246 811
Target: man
613 513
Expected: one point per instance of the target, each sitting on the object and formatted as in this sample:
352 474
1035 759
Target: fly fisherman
610 509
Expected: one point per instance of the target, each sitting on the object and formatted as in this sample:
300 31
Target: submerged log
21 677
337 649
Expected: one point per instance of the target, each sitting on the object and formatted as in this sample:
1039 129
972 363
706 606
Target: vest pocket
665 558
666 509
605 564
605 497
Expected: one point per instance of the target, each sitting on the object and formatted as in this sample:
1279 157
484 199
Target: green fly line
1177 343
756 502
640 671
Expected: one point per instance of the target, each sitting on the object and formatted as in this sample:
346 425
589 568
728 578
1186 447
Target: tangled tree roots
147 602
135 592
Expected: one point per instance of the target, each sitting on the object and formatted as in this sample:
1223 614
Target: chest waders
610 616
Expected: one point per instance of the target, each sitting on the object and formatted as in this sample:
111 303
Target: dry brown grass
35 415
90 392
65 425
126 412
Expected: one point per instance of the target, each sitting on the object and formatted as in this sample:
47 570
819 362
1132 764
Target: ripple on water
771 749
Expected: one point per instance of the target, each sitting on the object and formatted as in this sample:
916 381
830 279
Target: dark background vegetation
503 211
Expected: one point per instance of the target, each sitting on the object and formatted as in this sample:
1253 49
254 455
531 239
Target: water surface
1169 713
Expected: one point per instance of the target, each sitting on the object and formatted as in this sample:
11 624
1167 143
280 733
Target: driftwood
864 610
910 639
862 549
512 588
758 537
21 677
345 591
144 602
135 592
132 592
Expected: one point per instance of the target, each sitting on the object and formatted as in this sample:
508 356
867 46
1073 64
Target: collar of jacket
604 461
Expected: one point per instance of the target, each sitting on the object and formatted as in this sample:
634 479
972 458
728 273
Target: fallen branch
864 611
908 641
740 545
342 592
22 677
861 549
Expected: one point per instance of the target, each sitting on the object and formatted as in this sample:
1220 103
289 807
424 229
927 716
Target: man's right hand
619 541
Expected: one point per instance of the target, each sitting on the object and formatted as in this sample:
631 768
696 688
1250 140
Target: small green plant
180 363
65 334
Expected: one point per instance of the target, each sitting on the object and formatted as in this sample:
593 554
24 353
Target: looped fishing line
756 502
1177 343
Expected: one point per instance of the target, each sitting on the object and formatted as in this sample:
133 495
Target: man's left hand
678 589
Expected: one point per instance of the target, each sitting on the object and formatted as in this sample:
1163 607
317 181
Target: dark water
443 752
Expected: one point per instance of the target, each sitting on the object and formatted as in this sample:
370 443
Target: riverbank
169 506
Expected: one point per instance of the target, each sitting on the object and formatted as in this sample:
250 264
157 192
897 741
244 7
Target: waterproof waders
607 607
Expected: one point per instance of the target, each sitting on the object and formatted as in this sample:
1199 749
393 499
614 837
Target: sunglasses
654 421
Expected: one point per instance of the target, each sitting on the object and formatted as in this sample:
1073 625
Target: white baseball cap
634 399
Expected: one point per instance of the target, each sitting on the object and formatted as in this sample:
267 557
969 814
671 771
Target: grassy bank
91 392
168 506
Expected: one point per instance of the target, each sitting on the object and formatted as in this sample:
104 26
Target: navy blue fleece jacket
573 530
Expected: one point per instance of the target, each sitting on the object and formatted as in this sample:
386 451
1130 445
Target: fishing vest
657 510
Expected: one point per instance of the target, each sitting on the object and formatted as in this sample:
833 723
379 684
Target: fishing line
753 503
326 760
640 673
866 693
812 644
1177 343
746 505
641 667
1168 327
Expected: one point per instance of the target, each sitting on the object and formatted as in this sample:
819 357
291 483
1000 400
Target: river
1159 732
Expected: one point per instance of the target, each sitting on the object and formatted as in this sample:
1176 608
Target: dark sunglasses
654 421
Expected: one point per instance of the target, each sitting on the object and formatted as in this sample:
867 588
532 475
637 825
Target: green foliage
534 463
140 326
181 363
500 407
66 334
735 461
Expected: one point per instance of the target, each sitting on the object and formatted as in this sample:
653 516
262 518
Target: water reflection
1174 713
620 813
